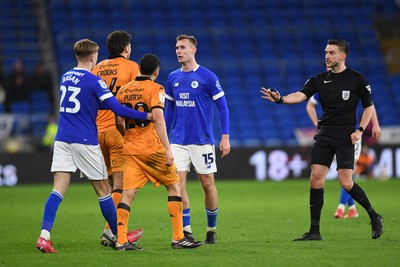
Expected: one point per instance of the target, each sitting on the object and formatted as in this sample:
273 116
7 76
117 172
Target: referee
340 90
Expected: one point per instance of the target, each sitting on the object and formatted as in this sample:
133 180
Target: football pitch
256 223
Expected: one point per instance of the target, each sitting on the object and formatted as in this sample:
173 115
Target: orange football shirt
141 94
116 72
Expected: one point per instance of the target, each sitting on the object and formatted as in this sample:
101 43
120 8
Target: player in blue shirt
191 93
76 145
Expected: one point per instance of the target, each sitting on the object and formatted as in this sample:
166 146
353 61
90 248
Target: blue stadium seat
21 107
39 123
248 44
40 102
21 123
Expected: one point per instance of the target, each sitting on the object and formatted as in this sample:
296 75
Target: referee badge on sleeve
345 95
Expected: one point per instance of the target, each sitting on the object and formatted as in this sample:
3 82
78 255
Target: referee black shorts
331 141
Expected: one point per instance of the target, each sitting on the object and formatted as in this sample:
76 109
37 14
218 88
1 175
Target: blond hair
84 48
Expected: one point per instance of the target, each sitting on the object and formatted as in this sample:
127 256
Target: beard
332 65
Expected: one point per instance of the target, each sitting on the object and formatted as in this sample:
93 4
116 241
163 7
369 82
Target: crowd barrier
259 164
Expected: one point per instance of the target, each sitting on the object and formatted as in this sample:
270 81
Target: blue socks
109 212
186 217
344 197
212 217
350 201
50 210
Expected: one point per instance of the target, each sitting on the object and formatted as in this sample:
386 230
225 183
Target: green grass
256 224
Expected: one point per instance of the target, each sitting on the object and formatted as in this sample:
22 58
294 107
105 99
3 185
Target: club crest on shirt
161 95
195 84
345 95
102 84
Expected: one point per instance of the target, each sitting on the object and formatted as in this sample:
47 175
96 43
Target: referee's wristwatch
361 129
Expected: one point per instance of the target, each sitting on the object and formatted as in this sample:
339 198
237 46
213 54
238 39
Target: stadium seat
39 123
248 44
21 107
21 124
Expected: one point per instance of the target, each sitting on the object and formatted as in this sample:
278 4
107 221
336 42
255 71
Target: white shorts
87 158
357 149
201 156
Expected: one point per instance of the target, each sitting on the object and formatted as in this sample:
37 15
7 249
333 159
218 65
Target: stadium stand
19 34
248 44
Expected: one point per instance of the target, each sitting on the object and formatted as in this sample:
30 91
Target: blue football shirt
193 94
81 93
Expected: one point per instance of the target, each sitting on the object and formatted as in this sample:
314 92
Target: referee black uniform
339 92
339 96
